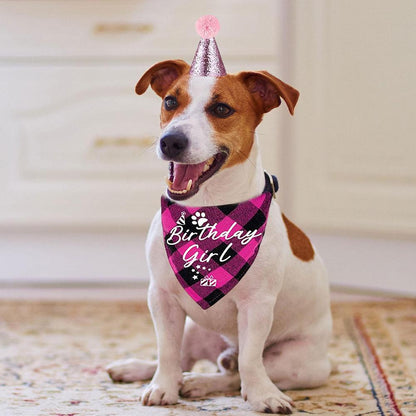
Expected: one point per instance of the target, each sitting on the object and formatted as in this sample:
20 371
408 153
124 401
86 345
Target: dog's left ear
268 90
161 76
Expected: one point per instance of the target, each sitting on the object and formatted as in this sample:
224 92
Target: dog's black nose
172 145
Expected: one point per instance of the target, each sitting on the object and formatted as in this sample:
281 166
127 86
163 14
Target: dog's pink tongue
182 173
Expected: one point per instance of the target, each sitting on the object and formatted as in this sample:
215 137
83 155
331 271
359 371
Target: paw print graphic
199 219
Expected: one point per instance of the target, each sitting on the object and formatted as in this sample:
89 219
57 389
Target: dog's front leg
255 319
168 319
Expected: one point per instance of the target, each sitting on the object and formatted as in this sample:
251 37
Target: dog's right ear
161 76
267 90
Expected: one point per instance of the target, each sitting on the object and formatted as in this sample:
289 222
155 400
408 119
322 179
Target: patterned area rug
52 359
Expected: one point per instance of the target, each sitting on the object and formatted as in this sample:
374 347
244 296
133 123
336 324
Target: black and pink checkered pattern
216 258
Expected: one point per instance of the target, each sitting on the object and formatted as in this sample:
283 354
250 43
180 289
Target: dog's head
208 123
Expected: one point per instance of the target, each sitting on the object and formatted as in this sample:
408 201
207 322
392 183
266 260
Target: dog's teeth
178 192
208 164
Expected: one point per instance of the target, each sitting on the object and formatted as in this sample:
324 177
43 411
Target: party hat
207 60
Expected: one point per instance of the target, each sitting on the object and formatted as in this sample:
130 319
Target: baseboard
111 258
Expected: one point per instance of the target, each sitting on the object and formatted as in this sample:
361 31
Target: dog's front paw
159 394
267 398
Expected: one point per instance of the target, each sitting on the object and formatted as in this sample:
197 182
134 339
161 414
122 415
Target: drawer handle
142 142
118 28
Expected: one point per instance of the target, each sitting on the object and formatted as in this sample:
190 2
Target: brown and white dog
271 332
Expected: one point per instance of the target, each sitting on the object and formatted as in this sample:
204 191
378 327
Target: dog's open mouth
184 180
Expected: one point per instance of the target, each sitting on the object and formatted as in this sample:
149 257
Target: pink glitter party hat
207 60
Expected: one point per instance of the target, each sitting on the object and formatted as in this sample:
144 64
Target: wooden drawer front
79 28
76 147
94 124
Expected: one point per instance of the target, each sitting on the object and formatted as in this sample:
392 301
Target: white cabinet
133 28
76 141
354 154
352 161
77 146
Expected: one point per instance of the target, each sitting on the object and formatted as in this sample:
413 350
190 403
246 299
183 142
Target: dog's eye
171 103
221 110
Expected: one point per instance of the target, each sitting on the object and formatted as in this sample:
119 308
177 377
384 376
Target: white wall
72 257
373 264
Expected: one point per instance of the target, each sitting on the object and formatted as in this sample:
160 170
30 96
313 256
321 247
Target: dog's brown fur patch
236 133
250 94
299 242
179 90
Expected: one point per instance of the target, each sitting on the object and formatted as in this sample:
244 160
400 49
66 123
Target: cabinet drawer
157 28
83 122
76 147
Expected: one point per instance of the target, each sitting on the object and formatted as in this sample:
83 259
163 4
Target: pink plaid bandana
211 248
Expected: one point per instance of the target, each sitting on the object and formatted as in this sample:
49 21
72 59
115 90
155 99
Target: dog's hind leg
298 363
227 379
131 369
198 343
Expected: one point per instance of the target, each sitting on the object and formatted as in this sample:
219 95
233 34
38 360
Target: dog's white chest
263 279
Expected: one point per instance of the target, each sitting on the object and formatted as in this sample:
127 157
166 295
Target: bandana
211 248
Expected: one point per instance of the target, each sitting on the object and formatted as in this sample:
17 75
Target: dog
271 331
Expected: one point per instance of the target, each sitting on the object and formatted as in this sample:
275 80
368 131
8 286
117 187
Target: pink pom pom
207 26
